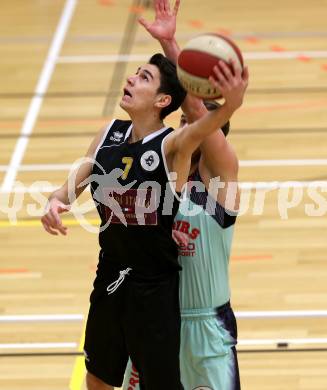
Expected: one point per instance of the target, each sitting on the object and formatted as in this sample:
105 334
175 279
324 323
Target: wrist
170 39
52 197
168 42
230 107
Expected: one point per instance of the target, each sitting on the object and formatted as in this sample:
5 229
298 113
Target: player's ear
162 101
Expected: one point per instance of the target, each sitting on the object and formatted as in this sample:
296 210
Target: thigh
153 332
105 350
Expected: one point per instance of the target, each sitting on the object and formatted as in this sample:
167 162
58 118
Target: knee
94 383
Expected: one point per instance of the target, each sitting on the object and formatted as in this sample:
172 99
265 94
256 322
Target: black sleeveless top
135 201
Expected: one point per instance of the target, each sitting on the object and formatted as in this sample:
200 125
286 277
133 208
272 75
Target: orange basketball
197 59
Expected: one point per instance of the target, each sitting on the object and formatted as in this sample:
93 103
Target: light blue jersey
208 357
204 281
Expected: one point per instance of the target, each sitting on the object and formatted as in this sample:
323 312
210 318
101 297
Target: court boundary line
38 345
78 373
286 342
255 55
23 318
41 88
242 350
282 342
41 318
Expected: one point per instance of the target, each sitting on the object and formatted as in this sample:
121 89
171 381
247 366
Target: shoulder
116 128
115 131
214 206
119 124
218 158
171 138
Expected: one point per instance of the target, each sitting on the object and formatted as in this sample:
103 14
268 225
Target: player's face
140 92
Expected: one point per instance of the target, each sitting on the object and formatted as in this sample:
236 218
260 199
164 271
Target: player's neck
144 126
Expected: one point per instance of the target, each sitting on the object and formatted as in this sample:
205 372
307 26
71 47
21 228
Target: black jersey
135 201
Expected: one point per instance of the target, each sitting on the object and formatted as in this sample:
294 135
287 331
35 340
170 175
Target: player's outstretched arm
163 28
59 200
180 144
164 25
232 86
217 156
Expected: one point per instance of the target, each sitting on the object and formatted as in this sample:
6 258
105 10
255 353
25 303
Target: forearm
61 194
170 48
193 135
72 189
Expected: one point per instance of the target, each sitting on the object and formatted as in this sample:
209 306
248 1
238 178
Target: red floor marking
277 48
288 106
223 31
251 257
48 123
304 58
136 9
196 23
13 270
252 40
106 2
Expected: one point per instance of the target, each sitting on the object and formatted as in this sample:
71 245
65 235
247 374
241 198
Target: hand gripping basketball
198 59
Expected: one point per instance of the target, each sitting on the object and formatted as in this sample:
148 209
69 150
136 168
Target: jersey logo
116 137
150 160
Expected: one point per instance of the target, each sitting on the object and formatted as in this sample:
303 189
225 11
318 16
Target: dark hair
213 105
169 83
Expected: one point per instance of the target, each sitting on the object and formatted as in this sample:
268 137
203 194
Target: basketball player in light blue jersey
204 227
208 329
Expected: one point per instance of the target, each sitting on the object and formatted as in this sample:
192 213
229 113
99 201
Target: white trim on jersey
167 170
128 132
103 138
148 137
153 135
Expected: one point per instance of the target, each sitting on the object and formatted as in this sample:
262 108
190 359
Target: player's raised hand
164 25
51 220
181 239
231 81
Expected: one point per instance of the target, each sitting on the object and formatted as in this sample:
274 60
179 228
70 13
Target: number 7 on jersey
128 161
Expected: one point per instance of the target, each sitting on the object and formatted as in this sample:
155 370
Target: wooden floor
278 260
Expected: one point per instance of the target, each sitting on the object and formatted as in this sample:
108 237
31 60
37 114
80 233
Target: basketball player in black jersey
214 159
134 305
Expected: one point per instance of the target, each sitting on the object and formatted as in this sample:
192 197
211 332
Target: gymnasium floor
59 60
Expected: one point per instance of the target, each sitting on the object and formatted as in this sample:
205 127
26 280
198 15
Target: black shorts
140 319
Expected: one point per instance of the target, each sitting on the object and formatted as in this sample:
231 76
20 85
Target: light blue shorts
208 359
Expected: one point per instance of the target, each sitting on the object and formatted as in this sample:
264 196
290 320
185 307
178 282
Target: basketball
198 58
